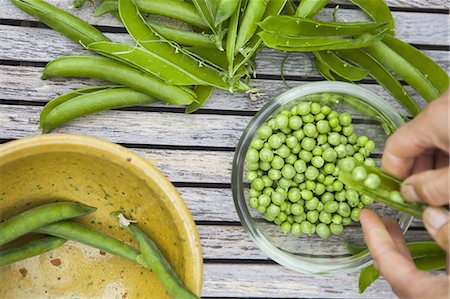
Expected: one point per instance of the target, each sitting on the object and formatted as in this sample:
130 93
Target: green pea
363 152
326 197
310 185
340 151
338 186
395 196
282 217
299 178
282 191
325 217
369 162
345 119
346 221
348 130
282 136
306 194
253 202
330 188
312 204
320 178
334 139
252 155
296 229
254 193
307 228
252 175
350 150
367 200
296 149
344 209
372 181
310 130
336 228
281 121
309 118
352 197
277 162
333 122
285 227
261 209
265 166
369 146
352 138
359 173
317 151
291 141
320 207
295 122
332 114
283 151
288 171
267 181
303 108
300 166
275 141
361 141
297 209
336 218
329 168
264 200
264 132
340 196
312 216
299 218
277 221
266 155
354 215
311 173
319 116
329 180
268 191
330 206
257 144
274 174
299 134
271 124
359 157
347 164
319 189
308 143
315 108
290 159
305 156
284 183
252 166
323 126
343 140
322 139
258 184
317 161
329 155
277 198
268 217
322 230
360 205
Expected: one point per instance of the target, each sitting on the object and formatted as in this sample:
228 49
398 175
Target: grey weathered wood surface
196 151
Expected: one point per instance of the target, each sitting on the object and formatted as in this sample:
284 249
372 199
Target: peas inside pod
292 166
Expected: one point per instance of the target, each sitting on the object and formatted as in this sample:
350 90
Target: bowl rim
124 157
258 237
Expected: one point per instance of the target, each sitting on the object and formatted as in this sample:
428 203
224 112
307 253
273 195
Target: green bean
183 37
152 258
93 102
65 97
377 10
295 26
29 220
203 94
309 8
71 26
430 69
146 61
106 69
310 43
225 9
344 69
80 233
399 65
382 76
144 36
29 249
176 9
249 24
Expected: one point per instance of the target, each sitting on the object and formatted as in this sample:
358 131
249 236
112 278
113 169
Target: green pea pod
427 256
249 24
324 70
71 26
309 8
80 233
314 43
80 3
225 9
207 9
344 69
110 70
29 249
152 258
65 97
214 57
183 37
175 9
430 69
144 36
146 61
378 11
300 27
203 94
400 66
382 76
29 220
231 38
93 102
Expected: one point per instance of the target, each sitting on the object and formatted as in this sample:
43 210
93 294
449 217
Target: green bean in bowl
285 179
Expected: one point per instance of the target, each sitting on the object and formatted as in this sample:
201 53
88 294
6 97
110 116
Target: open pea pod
230 44
309 8
317 43
382 193
344 69
207 10
203 95
424 64
225 9
296 26
382 76
378 11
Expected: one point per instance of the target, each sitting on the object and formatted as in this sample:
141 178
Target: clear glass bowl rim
261 241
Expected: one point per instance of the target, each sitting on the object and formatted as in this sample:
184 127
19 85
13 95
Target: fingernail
409 192
435 217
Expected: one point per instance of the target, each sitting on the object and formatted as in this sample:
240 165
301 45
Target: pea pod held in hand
71 26
110 70
29 249
93 102
27 221
309 8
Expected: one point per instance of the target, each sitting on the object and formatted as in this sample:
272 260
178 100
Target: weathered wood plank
154 128
274 281
427 4
414 27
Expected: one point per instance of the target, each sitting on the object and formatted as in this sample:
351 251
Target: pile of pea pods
293 167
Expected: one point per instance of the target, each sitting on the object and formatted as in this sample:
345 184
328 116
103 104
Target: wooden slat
410 4
414 27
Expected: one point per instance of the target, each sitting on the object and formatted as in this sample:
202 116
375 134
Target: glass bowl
372 117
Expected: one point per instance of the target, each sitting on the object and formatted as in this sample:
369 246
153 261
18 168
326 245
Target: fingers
398 270
430 186
429 130
436 221
397 236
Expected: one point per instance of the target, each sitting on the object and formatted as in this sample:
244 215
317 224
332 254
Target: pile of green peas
292 167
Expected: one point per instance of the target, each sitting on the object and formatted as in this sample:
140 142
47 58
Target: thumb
429 186
437 224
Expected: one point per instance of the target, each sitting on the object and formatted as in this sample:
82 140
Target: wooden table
195 151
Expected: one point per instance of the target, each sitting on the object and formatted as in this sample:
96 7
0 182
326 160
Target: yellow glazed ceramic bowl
97 173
